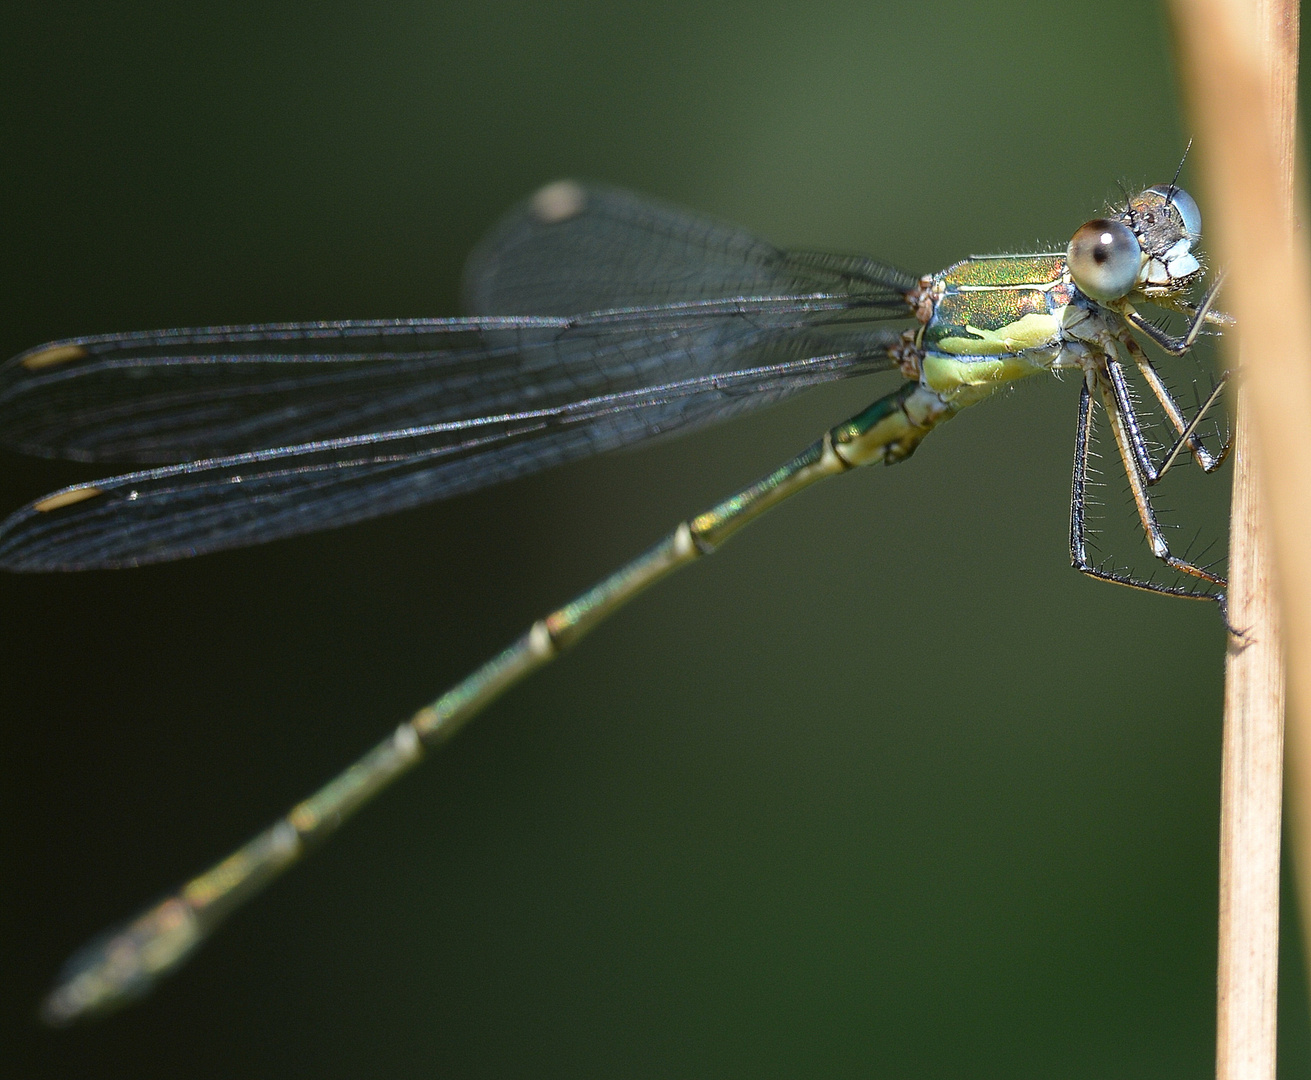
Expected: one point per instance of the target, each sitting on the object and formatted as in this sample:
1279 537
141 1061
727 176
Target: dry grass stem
1239 65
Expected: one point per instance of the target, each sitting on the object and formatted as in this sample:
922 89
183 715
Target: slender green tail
126 963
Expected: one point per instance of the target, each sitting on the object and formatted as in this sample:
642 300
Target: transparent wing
181 395
177 511
191 394
295 427
572 248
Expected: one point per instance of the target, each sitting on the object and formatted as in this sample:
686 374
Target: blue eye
1104 258
1184 204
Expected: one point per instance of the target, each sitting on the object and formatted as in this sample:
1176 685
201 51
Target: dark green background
883 789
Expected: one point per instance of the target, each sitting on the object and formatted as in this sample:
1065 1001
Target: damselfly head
1146 248
1167 223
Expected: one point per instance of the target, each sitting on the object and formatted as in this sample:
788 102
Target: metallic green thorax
989 306
993 320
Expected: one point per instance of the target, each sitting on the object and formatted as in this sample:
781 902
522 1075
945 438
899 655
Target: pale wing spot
65 498
559 202
60 354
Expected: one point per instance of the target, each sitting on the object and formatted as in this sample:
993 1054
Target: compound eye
1184 205
1104 259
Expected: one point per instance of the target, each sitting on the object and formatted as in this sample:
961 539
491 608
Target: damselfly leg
1112 393
1186 430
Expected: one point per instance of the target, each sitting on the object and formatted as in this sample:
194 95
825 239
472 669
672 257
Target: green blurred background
884 789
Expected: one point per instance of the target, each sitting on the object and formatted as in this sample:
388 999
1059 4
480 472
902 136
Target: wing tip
558 201
67 497
48 356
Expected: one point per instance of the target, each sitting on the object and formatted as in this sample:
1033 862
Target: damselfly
604 319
